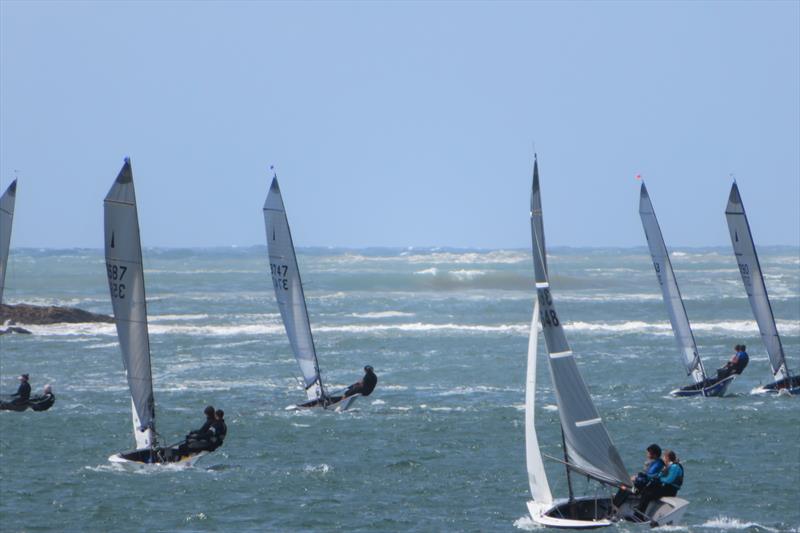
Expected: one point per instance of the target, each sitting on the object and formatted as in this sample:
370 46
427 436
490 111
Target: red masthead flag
638 176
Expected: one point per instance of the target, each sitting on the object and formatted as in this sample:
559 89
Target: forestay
537 477
6 219
589 445
669 288
126 283
753 279
289 290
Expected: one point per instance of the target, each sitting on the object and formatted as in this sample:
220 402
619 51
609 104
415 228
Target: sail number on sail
548 316
116 273
279 278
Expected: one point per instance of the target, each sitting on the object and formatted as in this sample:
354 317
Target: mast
566 466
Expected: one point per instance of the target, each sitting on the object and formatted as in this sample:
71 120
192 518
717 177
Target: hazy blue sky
401 123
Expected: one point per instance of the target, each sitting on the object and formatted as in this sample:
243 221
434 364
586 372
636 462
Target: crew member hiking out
203 439
668 483
737 363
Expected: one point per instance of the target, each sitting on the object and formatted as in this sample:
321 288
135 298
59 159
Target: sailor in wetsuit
737 363
23 393
203 438
220 428
365 386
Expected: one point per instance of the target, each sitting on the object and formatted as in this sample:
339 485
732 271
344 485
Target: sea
439 445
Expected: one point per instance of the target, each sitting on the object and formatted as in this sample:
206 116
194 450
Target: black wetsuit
220 430
23 393
201 439
363 387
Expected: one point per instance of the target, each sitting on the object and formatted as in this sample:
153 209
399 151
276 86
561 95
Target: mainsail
589 445
753 279
6 218
669 288
289 290
126 283
537 477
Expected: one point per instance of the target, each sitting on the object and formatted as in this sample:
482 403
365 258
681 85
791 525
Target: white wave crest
724 522
381 314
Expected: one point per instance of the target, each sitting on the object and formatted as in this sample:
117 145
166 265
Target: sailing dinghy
6 218
126 283
753 279
703 385
292 304
588 449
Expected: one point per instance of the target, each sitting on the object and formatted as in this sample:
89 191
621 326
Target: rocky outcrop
42 315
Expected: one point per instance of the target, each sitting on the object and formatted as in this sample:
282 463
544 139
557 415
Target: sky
401 123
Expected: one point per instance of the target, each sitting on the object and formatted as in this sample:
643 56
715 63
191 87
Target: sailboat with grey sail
587 445
123 254
703 385
291 299
744 249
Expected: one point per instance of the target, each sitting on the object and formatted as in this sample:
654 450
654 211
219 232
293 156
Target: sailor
653 466
23 393
203 438
48 392
737 363
668 482
365 386
220 428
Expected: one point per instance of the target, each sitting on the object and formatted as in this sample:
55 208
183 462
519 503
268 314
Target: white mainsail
537 477
126 283
289 290
669 289
589 446
6 218
753 279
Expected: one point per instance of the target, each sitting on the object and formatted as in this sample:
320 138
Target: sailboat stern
789 386
667 511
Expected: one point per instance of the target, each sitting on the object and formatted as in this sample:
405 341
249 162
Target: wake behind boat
123 251
292 304
703 385
753 279
588 449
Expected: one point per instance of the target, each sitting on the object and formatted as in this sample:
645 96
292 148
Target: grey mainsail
289 290
589 446
126 284
669 289
6 218
753 279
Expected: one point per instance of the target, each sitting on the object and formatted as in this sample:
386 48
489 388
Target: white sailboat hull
591 513
342 405
186 461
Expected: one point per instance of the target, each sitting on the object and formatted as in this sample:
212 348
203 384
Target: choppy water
439 446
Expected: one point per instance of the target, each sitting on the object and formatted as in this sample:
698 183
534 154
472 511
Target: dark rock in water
42 315
15 329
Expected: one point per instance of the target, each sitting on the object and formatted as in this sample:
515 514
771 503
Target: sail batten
753 280
7 201
669 289
588 445
289 292
123 253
